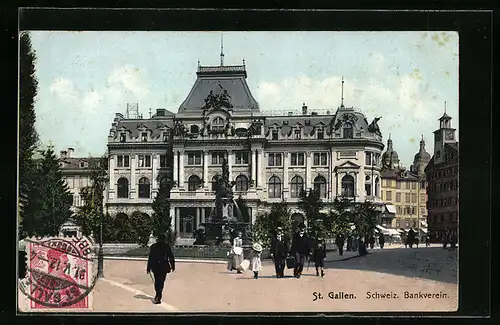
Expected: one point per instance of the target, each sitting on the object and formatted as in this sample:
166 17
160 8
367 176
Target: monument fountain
226 218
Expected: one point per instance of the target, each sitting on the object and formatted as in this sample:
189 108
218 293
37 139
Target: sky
84 78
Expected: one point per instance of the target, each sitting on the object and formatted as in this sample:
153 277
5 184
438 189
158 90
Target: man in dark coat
339 241
161 261
381 240
411 237
279 251
319 256
301 249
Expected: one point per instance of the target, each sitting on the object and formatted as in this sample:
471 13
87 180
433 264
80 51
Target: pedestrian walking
301 249
255 262
381 241
372 241
411 237
161 261
427 241
237 252
319 256
279 252
339 241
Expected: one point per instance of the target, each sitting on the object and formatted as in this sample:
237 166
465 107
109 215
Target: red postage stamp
60 273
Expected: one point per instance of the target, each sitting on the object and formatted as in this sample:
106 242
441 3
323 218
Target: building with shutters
271 157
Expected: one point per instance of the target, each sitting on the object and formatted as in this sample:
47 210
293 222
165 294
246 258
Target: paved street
199 287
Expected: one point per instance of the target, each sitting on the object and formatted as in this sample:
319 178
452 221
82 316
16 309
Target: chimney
63 154
70 152
304 109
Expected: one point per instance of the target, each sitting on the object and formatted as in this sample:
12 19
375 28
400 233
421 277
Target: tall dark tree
340 217
28 137
364 218
50 200
161 219
243 214
266 224
310 202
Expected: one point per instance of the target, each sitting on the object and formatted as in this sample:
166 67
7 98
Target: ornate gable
348 165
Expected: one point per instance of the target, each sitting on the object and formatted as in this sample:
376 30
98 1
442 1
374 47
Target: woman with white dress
254 257
237 252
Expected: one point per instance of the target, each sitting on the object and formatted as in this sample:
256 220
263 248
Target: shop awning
390 208
393 232
385 231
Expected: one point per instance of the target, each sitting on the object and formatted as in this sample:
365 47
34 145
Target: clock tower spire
445 134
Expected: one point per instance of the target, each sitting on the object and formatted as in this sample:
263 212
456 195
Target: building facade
405 191
442 177
270 158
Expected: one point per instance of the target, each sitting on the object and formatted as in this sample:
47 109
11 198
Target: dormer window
123 137
82 164
347 131
274 135
320 135
194 129
144 136
165 136
296 134
438 154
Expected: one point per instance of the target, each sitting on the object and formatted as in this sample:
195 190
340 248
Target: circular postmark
61 273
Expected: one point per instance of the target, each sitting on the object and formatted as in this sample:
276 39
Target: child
254 258
319 256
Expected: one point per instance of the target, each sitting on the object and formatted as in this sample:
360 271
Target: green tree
310 202
266 224
364 218
161 219
142 224
28 137
89 215
50 200
340 217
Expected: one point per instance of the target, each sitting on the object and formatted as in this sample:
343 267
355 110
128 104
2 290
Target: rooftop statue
218 100
373 127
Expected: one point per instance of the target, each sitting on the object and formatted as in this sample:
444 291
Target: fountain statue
226 217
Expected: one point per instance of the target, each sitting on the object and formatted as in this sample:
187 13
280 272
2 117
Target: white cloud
131 78
63 88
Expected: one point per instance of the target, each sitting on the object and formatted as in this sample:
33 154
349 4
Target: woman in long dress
238 252
254 257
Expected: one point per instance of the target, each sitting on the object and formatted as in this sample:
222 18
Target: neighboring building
442 178
403 191
270 158
76 172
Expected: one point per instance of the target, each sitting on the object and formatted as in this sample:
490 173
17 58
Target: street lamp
100 254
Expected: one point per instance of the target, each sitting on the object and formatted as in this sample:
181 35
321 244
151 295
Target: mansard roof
218 79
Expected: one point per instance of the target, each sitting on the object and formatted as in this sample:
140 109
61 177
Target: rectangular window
296 134
398 184
321 134
398 197
368 189
163 161
413 185
297 159
274 159
388 195
407 197
399 210
194 158
144 161
413 197
144 137
122 161
412 210
368 158
218 157
123 137
274 135
241 157
320 159
165 136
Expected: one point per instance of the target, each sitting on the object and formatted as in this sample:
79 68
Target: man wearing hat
319 256
279 252
301 249
161 261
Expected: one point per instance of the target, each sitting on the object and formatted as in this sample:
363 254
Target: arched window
241 183
348 186
320 186
194 183
377 187
274 187
214 183
347 131
144 188
218 123
122 188
296 186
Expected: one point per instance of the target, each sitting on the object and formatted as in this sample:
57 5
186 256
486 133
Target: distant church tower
390 158
421 160
445 134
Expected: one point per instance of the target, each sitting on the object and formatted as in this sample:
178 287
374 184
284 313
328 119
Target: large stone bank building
270 158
